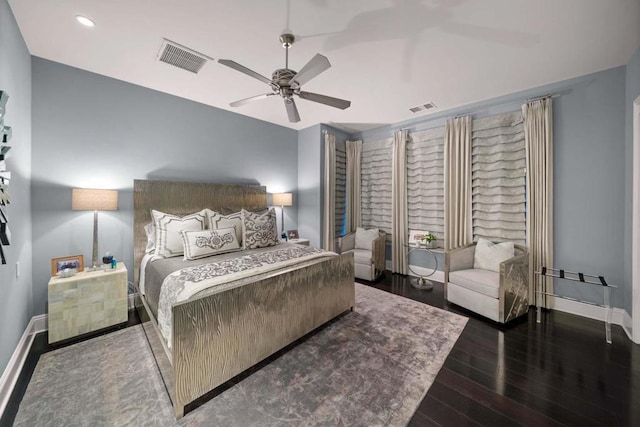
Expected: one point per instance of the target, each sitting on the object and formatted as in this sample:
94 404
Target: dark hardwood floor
559 372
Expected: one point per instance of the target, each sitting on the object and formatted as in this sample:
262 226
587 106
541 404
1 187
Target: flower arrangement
429 240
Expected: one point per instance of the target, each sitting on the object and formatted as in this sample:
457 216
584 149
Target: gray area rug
371 367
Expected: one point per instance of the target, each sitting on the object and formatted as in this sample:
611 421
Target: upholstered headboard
182 198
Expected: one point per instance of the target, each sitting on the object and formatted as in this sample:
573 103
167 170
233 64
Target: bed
219 333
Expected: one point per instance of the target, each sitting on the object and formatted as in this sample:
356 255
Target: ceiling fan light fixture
287 83
85 21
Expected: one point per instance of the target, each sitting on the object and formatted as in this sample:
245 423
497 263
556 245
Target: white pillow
151 238
216 220
364 238
200 244
168 228
259 231
488 255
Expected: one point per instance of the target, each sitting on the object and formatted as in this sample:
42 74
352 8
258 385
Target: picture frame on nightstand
74 261
292 234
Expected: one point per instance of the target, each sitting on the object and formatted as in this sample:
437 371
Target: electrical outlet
17 269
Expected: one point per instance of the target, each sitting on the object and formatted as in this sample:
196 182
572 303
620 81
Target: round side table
422 282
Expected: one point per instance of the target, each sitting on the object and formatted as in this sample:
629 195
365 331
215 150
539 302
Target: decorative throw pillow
364 238
168 228
216 220
259 231
151 238
488 255
200 244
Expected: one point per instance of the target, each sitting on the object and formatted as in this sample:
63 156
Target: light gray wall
310 184
589 181
632 92
96 132
589 165
15 79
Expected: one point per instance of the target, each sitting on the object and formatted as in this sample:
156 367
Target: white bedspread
185 283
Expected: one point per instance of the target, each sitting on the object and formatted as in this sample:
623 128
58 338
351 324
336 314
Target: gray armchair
368 264
500 297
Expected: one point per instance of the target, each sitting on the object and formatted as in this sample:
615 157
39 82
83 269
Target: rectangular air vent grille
180 56
427 106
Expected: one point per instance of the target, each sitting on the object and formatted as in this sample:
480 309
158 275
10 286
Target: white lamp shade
282 199
90 199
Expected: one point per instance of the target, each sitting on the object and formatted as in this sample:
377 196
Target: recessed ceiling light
85 21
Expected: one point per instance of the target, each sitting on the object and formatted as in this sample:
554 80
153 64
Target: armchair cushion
362 256
484 282
489 255
364 238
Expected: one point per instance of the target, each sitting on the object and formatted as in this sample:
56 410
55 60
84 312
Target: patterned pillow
259 231
168 228
216 220
151 238
200 244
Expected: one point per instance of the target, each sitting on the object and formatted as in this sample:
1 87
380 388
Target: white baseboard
619 316
12 371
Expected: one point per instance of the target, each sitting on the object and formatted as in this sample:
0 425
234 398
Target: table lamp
89 199
282 200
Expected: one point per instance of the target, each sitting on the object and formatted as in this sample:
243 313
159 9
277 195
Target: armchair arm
378 248
514 285
346 242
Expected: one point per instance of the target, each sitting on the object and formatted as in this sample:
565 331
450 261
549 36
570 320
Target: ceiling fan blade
249 100
232 64
292 110
324 99
317 65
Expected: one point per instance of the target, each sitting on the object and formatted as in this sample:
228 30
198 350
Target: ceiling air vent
427 106
180 56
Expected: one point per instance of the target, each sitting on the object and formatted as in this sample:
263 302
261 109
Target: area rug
371 367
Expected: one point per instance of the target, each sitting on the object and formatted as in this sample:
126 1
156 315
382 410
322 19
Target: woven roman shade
498 178
341 188
376 185
425 181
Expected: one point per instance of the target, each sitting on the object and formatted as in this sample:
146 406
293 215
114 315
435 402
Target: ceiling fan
287 83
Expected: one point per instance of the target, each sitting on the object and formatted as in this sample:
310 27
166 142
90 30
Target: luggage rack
580 278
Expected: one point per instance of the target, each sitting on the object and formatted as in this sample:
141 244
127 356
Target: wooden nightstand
299 241
87 302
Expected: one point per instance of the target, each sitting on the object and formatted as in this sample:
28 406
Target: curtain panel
457 183
399 216
354 165
329 206
538 126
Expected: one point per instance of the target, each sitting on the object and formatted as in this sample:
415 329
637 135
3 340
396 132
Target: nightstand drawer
87 302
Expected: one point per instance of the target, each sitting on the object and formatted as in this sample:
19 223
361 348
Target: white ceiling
386 55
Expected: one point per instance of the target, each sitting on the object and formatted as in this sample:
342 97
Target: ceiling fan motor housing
281 81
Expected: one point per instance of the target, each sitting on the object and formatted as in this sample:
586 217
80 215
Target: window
425 181
376 184
498 178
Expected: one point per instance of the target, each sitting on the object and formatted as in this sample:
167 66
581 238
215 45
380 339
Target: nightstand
86 302
299 241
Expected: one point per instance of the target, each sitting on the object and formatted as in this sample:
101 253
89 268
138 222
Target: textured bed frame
217 336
